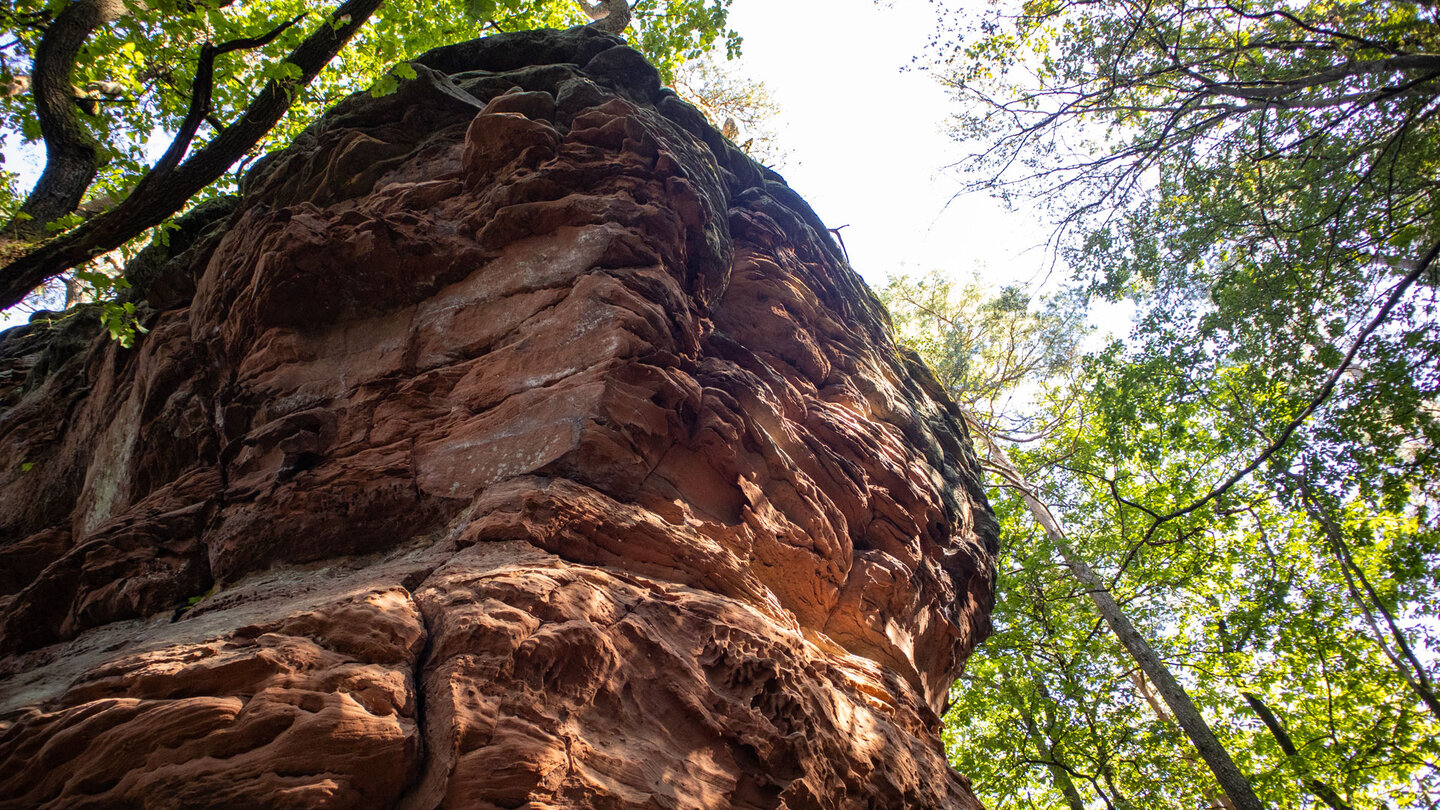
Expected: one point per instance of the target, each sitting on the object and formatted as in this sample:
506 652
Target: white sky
868 150
866 140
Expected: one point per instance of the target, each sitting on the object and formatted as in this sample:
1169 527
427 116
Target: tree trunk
1122 802
1234 783
1217 802
1046 747
71 153
1277 730
609 16
1326 793
1410 668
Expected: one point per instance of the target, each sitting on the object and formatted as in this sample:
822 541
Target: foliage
137 76
150 53
741 108
1254 471
1259 179
1301 134
1249 601
992 352
117 317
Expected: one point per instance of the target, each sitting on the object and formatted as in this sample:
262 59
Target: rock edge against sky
513 441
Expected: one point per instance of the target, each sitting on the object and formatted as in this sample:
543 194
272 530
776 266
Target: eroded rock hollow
512 441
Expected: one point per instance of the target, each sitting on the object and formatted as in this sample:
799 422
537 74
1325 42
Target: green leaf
64 223
1254 246
482 10
288 71
385 85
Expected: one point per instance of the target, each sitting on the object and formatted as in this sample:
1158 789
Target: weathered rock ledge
513 441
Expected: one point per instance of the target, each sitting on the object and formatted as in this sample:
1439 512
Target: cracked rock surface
512 441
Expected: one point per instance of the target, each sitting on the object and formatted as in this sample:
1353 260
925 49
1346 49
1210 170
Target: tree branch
1317 786
139 212
1415 674
1282 737
200 94
71 152
1319 399
1272 89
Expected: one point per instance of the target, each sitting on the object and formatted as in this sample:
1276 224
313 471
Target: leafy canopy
134 75
1254 471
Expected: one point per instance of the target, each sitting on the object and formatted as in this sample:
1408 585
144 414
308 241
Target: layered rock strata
512 441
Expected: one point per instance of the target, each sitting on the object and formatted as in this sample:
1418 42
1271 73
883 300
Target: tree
741 108
985 352
1259 181
1314 119
224 81
1260 608
996 356
1235 784
1244 607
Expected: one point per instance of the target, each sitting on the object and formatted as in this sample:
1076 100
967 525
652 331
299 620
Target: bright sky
867 143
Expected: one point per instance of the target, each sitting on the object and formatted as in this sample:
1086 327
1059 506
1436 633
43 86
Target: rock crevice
512 440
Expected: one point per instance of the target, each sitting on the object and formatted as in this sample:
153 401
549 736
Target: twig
841 239
200 95
1319 399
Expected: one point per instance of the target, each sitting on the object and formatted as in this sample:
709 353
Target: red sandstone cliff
514 442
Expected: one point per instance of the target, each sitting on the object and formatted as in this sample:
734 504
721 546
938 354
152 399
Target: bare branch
1397 293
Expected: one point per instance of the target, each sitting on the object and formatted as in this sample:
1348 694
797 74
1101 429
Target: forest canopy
1222 562
106 85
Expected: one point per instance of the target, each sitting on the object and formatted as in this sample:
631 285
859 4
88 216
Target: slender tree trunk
1046 747
1217 801
72 291
1272 722
1326 793
1414 672
1122 802
1232 782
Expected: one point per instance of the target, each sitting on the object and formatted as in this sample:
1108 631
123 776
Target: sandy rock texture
512 441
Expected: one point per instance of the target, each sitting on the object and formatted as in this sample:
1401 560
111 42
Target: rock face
513 441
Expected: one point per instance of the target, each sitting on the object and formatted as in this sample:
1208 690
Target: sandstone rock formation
513 441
